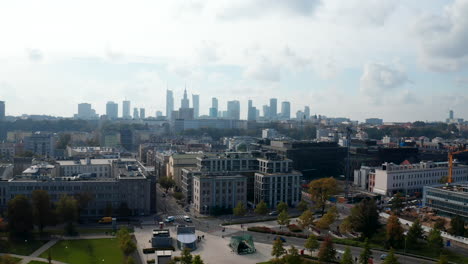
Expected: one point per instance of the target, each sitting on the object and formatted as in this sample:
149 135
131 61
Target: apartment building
411 178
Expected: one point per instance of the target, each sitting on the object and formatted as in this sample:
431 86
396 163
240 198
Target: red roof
406 162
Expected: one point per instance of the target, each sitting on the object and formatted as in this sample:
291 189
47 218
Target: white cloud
263 70
443 39
379 78
35 55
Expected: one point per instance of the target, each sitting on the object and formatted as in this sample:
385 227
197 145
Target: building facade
448 200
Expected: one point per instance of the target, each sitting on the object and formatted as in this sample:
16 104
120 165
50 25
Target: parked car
187 219
280 238
169 219
383 256
273 213
187 209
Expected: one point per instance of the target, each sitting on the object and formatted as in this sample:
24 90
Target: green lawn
23 247
86 251
7 258
36 262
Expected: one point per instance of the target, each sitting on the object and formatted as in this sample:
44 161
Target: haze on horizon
397 60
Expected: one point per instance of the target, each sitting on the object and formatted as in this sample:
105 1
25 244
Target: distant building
185 102
112 110
41 143
169 104
251 112
158 113
2 110
86 112
286 110
269 133
181 124
233 110
196 105
447 200
126 109
374 121
214 107
266 112
142 113
186 114
7 150
273 109
136 114
306 112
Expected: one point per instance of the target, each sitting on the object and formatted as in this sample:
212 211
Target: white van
187 219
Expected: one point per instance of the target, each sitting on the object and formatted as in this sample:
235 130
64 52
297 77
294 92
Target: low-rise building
448 200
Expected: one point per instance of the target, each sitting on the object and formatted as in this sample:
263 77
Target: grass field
9 259
22 247
86 251
36 262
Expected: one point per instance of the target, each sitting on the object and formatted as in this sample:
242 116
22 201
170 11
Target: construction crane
451 153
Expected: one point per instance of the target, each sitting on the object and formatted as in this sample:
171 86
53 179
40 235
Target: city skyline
417 72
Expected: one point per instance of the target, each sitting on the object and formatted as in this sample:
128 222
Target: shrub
294 228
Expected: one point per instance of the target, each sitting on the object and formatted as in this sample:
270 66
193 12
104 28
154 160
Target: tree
347 257
67 210
240 209
282 206
20 216
283 218
178 196
434 240
312 243
391 258
49 257
42 209
394 236
397 203
278 249
443 260
126 243
63 141
302 206
457 226
166 183
261 208
321 190
440 224
328 218
366 253
306 219
130 260
364 218
186 257
345 225
197 260
83 199
327 252
292 257
414 234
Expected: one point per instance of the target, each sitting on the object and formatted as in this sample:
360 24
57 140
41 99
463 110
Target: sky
397 60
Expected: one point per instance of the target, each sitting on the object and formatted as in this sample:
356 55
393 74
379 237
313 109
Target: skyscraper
86 112
251 112
196 105
273 108
266 111
214 107
286 110
112 110
233 110
158 113
126 109
135 113
306 112
169 104
142 113
185 103
451 115
2 110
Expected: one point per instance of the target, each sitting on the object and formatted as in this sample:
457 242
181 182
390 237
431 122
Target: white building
269 133
410 178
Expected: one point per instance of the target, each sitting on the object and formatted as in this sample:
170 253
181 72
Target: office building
126 110
86 112
273 109
112 110
2 110
214 192
214 102
266 112
112 181
142 113
451 115
409 178
251 112
185 114
41 143
307 112
233 110
158 113
196 105
169 104
136 115
185 102
374 121
286 110
214 107
447 200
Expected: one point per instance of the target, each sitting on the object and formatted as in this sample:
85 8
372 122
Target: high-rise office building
451 115
196 105
251 112
257 114
233 110
158 113
169 104
2 110
142 113
214 107
86 112
266 111
273 108
286 110
185 102
112 110
306 112
126 109
135 113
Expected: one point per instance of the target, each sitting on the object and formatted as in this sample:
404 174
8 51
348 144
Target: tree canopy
321 190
